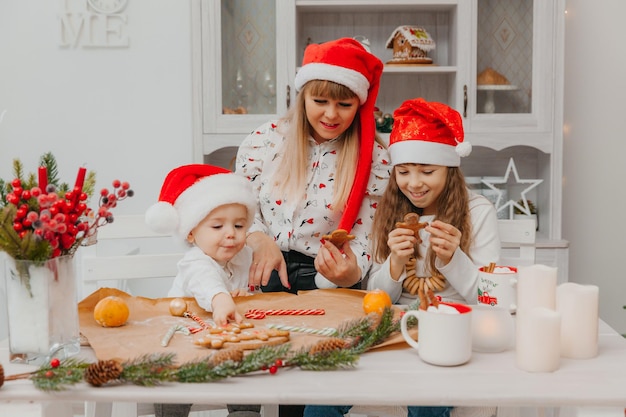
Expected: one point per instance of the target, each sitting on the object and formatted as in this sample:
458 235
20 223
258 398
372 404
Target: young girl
461 234
317 170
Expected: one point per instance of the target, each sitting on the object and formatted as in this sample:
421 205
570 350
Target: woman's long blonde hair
452 208
294 170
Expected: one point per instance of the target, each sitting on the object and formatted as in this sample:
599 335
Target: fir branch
69 372
49 161
203 371
326 360
18 168
263 357
148 370
90 183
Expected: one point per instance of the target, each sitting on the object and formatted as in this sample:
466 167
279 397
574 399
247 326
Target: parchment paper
150 320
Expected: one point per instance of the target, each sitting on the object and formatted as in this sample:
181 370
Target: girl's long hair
452 208
294 170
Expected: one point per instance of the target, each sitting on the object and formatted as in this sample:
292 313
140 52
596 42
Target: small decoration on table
376 301
111 311
43 222
170 333
178 306
410 45
260 314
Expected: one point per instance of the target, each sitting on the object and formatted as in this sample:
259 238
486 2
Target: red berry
12 199
55 362
49 374
17 226
83 197
26 195
104 192
273 369
116 183
125 185
279 362
16 182
35 191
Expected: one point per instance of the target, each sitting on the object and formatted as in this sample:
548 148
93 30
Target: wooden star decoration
512 204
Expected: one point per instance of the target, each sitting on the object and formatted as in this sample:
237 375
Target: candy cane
170 333
260 314
326 331
197 320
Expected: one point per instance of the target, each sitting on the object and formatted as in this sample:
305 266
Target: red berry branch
43 221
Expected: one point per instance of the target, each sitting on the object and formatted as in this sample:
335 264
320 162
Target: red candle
43 178
80 179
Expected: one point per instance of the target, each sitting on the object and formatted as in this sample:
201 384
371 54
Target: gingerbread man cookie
412 222
245 338
338 237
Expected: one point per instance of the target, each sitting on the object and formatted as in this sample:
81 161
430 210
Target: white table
385 377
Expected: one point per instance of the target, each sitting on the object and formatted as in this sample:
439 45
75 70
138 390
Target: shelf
414 68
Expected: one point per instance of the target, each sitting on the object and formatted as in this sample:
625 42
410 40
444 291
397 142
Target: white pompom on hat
427 132
190 192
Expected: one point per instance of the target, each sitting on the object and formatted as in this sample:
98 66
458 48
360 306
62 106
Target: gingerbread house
411 45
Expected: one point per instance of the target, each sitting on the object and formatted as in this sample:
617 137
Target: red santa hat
345 61
427 133
190 192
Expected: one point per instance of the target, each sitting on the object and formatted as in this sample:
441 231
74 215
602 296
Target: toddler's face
222 233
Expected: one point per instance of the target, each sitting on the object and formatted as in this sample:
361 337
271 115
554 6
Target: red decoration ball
55 362
273 369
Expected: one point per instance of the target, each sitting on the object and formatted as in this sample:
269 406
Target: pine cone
235 355
1 375
101 372
328 345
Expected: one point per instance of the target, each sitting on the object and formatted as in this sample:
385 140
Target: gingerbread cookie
412 222
338 237
248 339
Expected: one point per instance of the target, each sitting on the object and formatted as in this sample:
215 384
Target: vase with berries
42 224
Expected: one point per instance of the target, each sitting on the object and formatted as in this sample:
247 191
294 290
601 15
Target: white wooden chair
517 236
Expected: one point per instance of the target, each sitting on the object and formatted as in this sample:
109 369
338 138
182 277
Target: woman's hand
401 243
267 257
444 239
338 266
224 309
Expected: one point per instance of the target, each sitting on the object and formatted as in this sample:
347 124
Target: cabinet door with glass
244 64
512 84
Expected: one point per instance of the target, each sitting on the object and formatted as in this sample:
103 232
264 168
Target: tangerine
111 311
376 301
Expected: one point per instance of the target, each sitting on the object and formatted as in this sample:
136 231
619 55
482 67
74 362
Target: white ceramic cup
498 288
445 334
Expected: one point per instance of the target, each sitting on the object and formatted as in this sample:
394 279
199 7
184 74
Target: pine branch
325 361
18 168
148 370
70 372
49 161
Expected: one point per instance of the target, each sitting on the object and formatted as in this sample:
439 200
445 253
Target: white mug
498 288
444 333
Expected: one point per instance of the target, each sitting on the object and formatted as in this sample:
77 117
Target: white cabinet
237 43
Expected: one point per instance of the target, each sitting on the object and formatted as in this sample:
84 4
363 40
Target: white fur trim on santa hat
352 79
198 200
422 152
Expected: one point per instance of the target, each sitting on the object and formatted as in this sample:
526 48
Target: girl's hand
224 309
267 257
338 265
444 239
401 242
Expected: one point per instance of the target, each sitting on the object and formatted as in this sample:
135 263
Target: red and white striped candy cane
260 314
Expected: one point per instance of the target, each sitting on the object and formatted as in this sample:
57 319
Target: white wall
595 150
126 113
122 112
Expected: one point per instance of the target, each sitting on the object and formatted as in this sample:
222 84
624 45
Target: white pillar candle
578 305
537 343
536 287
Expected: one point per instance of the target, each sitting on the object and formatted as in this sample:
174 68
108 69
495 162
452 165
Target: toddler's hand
224 310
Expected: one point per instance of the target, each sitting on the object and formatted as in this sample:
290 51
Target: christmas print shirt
299 225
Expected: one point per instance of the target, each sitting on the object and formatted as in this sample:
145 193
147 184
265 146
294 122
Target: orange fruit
376 301
111 311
